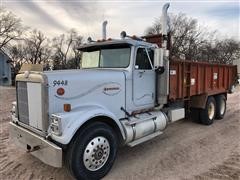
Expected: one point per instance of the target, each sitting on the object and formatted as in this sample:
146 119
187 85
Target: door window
143 58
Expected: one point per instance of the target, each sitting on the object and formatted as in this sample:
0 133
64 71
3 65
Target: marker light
123 34
60 91
67 107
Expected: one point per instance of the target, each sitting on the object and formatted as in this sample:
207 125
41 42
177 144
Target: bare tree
33 49
155 28
193 42
10 27
36 49
16 54
65 49
226 51
61 48
186 34
77 54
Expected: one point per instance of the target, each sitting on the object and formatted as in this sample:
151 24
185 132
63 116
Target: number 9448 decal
60 83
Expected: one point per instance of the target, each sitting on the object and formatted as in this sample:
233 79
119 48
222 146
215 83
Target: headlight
14 109
56 125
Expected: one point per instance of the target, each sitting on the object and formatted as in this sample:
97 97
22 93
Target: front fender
72 121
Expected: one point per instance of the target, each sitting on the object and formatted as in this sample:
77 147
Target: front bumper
39 147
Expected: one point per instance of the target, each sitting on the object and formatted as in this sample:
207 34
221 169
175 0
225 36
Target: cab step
145 138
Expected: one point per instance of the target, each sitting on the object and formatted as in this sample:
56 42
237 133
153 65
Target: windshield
106 58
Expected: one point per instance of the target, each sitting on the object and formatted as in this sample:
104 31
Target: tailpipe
164 19
104 30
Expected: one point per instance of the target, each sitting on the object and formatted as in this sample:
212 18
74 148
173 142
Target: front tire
92 152
207 115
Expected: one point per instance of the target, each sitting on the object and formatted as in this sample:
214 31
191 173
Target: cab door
144 78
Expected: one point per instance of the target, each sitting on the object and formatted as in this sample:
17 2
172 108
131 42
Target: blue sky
54 17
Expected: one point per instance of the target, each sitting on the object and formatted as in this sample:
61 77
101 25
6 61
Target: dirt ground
185 151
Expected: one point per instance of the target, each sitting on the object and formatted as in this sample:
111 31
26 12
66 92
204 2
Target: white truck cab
82 116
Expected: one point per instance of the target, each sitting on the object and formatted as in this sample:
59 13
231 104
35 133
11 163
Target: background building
5 69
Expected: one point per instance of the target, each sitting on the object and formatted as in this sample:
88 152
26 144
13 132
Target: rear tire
220 106
92 152
207 115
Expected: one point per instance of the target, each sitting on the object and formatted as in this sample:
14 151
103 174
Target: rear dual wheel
208 114
220 106
215 109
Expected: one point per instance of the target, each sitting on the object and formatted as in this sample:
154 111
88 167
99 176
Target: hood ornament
26 74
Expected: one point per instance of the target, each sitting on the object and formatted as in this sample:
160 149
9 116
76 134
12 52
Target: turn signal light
60 91
67 107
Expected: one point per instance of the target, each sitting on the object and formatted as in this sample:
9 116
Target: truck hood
98 87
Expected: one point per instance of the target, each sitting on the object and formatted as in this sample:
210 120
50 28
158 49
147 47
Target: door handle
141 73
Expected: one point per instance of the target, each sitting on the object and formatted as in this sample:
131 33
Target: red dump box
189 78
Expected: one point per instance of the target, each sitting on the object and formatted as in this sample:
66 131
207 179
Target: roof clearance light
134 37
89 39
60 91
123 34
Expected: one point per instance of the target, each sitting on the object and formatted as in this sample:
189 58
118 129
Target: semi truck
127 92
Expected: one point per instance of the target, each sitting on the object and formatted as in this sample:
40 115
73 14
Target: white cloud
55 17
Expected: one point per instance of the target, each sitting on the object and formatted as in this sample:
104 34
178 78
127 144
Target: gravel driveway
185 151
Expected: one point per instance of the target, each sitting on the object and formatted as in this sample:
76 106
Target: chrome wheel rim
96 153
222 107
211 110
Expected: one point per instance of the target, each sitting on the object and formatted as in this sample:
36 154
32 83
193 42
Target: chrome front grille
32 102
22 101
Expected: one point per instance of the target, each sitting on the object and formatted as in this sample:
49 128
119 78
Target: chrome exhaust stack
104 30
164 19
162 60
165 24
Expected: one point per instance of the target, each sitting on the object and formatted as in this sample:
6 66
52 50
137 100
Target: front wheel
92 152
